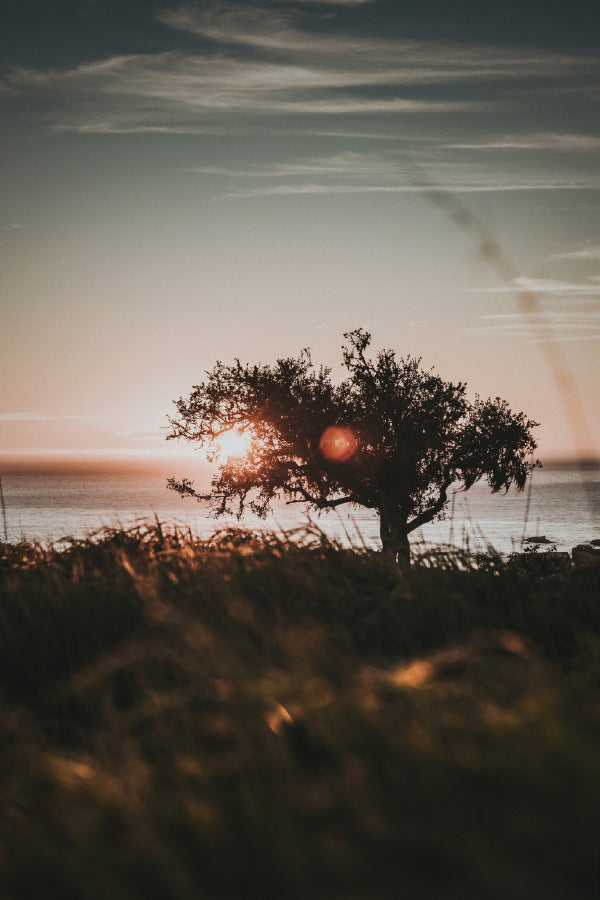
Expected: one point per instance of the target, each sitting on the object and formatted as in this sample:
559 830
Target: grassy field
247 718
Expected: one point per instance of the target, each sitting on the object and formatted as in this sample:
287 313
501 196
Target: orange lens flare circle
338 443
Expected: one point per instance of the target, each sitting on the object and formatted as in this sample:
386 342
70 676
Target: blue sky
189 182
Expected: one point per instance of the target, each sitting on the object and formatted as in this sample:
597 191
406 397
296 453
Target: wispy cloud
590 287
50 417
284 190
557 325
355 171
282 69
348 164
401 60
584 143
264 70
555 286
142 435
588 252
291 189
175 92
116 127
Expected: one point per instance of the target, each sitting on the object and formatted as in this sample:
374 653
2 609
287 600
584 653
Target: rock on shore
552 561
585 555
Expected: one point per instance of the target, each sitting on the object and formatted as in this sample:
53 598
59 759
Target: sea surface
561 503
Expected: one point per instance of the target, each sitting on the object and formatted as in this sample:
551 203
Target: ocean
561 503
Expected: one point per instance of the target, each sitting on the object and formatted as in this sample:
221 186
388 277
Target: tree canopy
391 437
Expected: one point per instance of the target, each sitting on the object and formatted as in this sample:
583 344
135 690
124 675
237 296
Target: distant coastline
151 462
589 463
161 463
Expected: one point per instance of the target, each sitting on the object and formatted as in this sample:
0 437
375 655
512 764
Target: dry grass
286 718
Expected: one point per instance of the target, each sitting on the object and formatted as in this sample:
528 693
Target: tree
391 437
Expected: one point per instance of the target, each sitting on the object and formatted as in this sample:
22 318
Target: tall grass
287 718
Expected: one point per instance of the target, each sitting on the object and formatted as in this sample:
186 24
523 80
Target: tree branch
429 514
204 434
319 502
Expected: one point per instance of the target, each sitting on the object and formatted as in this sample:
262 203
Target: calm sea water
562 503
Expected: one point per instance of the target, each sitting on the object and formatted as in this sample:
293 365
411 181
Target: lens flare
338 443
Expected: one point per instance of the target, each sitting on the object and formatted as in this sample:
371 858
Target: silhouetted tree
392 437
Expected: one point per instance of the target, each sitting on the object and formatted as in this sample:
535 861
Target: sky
186 183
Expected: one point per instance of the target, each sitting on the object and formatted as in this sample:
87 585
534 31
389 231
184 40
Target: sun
233 443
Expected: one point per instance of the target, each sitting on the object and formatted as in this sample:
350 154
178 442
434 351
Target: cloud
549 286
283 190
348 164
260 62
567 311
555 286
142 435
49 417
585 253
115 127
353 171
291 189
268 71
178 92
584 143
415 62
550 326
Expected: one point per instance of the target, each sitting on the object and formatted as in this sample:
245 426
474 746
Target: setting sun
233 443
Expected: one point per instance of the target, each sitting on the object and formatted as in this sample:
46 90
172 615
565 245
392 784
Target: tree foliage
391 437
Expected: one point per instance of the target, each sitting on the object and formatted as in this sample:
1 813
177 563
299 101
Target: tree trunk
394 537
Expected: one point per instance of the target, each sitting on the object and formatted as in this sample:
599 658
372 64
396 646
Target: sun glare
233 443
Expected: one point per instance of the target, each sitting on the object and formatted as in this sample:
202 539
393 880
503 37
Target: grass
285 718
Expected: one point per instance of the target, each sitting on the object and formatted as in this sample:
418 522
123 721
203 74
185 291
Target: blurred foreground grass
275 718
